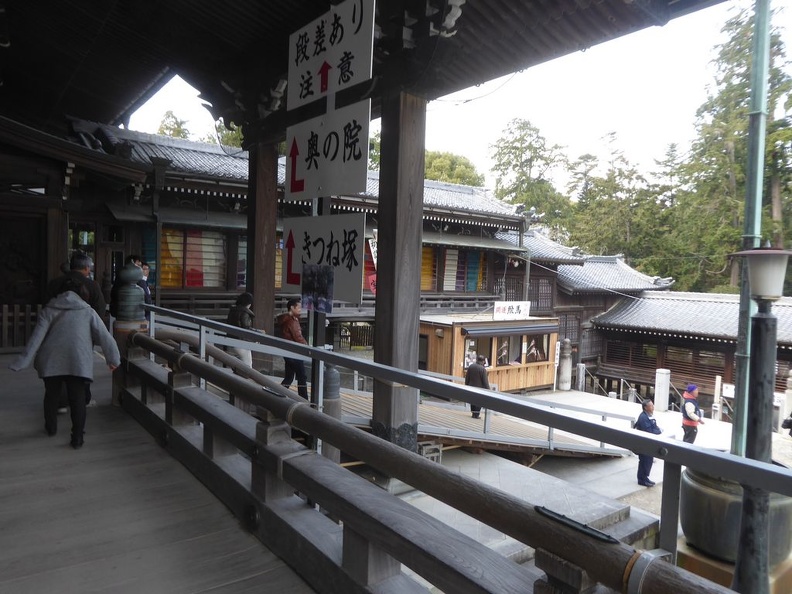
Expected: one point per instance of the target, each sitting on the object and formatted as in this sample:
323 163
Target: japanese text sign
329 154
335 240
511 310
331 53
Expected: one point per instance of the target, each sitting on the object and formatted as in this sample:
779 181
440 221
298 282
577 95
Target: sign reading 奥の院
328 155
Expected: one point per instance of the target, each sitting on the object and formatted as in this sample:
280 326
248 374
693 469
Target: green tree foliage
615 213
452 168
173 126
439 166
709 205
687 221
226 136
524 162
374 151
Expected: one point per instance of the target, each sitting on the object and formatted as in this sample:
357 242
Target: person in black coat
242 316
79 275
476 376
646 422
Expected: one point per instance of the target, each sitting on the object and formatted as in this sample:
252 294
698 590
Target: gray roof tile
609 274
691 315
189 157
543 249
214 161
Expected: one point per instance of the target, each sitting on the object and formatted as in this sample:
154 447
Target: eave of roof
38 142
693 316
543 249
608 274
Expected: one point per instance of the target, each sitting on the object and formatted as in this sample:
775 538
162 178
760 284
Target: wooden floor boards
119 515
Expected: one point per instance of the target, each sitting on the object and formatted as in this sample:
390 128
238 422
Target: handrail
675 454
606 560
741 470
596 382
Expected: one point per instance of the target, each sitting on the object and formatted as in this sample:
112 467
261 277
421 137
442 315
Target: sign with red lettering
329 154
335 241
331 53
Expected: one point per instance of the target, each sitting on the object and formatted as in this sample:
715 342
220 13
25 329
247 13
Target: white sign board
511 310
331 53
337 241
329 154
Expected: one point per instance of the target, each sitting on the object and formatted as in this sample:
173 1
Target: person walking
290 329
61 350
241 316
79 275
476 376
646 422
691 414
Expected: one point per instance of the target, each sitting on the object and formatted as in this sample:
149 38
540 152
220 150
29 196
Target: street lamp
766 274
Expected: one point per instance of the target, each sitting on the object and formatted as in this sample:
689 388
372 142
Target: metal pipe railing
741 470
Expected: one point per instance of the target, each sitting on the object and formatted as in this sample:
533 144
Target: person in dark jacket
241 315
476 376
290 329
79 274
61 350
646 422
143 284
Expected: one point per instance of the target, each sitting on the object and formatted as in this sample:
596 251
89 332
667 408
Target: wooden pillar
160 167
57 230
395 409
261 231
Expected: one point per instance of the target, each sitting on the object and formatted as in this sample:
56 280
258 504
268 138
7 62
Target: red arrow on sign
324 75
295 185
292 278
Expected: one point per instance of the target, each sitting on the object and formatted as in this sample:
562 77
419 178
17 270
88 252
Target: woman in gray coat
61 350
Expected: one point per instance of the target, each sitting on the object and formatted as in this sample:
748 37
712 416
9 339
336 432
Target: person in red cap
691 413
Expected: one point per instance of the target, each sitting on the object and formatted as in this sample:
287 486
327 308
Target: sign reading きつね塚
335 241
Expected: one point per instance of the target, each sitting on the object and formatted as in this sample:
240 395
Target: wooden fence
16 326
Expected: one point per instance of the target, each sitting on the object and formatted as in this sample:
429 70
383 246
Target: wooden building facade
694 335
520 353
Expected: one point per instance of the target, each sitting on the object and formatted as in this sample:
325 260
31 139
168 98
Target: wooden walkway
120 515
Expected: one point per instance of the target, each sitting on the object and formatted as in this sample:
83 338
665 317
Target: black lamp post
766 274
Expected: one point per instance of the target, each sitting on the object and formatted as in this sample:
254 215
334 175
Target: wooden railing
215 304
256 468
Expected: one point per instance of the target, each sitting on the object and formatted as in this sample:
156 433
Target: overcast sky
645 87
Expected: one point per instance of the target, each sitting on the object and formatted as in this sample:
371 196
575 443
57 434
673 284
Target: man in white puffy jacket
61 350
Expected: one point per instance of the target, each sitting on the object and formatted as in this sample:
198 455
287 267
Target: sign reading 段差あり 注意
331 53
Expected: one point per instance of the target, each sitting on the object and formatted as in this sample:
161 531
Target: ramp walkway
452 425
119 515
